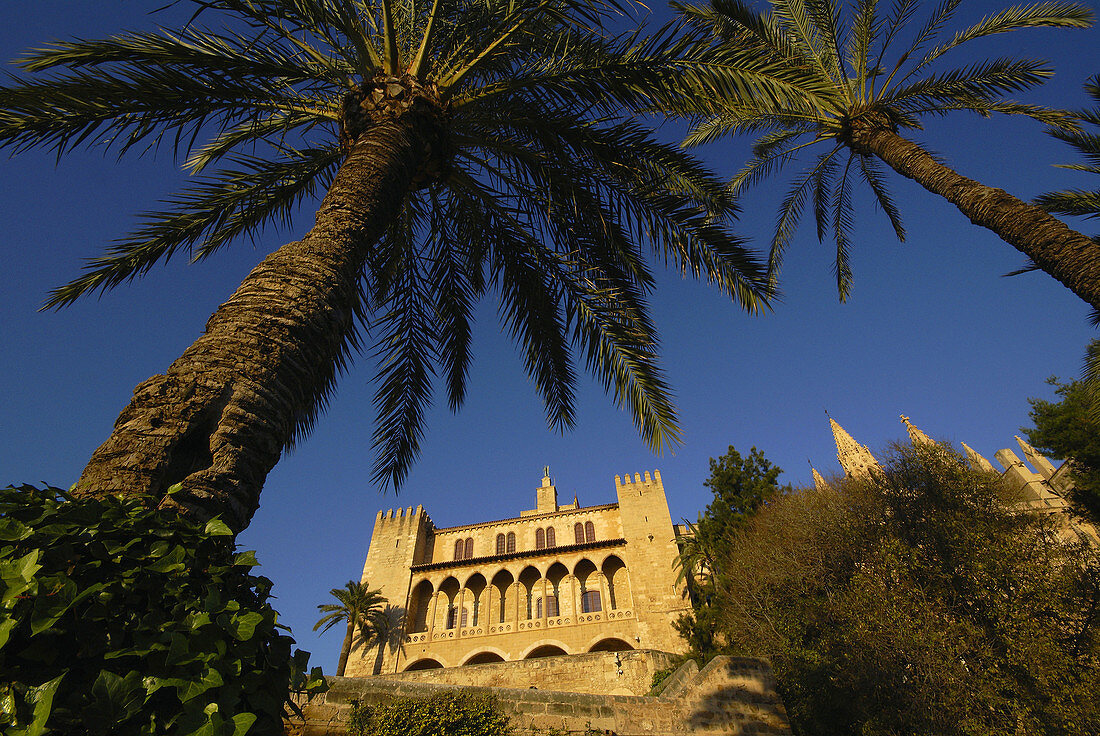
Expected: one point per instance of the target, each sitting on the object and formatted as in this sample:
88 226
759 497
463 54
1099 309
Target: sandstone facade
557 579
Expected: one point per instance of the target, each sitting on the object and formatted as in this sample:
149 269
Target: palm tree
1083 203
467 148
357 606
386 629
858 102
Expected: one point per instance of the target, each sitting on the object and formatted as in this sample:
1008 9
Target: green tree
464 148
741 486
358 607
1067 429
917 600
858 101
443 714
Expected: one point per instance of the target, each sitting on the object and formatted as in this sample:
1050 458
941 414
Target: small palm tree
466 149
386 630
357 605
858 101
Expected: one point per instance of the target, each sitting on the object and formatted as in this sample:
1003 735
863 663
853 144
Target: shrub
444 714
119 619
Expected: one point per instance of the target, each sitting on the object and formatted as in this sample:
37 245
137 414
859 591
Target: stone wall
731 695
613 673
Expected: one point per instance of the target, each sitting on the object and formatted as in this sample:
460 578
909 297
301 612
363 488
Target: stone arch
448 591
420 601
545 648
618 583
611 644
475 599
485 656
503 582
427 663
587 575
528 579
554 576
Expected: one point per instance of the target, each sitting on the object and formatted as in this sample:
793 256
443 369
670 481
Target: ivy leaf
41 698
244 627
217 528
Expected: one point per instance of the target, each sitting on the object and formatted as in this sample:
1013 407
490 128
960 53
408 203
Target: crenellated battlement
639 480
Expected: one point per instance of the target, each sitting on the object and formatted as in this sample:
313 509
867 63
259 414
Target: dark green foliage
115 619
741 486
1067 429
918 601
443 714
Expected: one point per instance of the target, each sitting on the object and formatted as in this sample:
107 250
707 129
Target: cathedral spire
977 461
819 482
855 458
917 437
1039 462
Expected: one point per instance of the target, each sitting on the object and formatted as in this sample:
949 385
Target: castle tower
917 437
651 541
855 458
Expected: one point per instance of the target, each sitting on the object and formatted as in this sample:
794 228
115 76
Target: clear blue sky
932 330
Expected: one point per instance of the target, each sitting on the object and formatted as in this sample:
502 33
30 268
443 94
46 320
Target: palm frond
872 174
210 214
843 219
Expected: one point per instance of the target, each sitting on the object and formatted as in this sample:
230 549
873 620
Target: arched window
500 544
551 538
578 532
459 549
590 601
589 531
540 538
511 542
469 548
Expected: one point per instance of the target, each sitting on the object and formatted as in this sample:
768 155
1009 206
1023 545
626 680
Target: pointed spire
917 437
855 458
819 482
976 460
1044 466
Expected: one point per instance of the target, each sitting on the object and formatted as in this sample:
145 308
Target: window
463 621
552 605
551 538
459 549
578 532
511 542
540 538
469 548
500 544
589 531
538 608
590 601
450 617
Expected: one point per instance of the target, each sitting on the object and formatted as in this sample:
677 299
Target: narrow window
459 548
589 531
538 608
511 542
500 544
450 617
590 601
540 538
551 537
578 532
552 605
469 548
463 624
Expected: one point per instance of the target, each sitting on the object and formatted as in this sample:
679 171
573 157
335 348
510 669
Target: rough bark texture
1065 254
217 421
345 648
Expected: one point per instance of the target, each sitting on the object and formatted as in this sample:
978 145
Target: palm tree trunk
1065 254
217 421
345 649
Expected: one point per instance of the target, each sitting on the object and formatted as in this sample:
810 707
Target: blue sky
932 330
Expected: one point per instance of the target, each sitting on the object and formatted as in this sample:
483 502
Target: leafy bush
443 714
118 619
